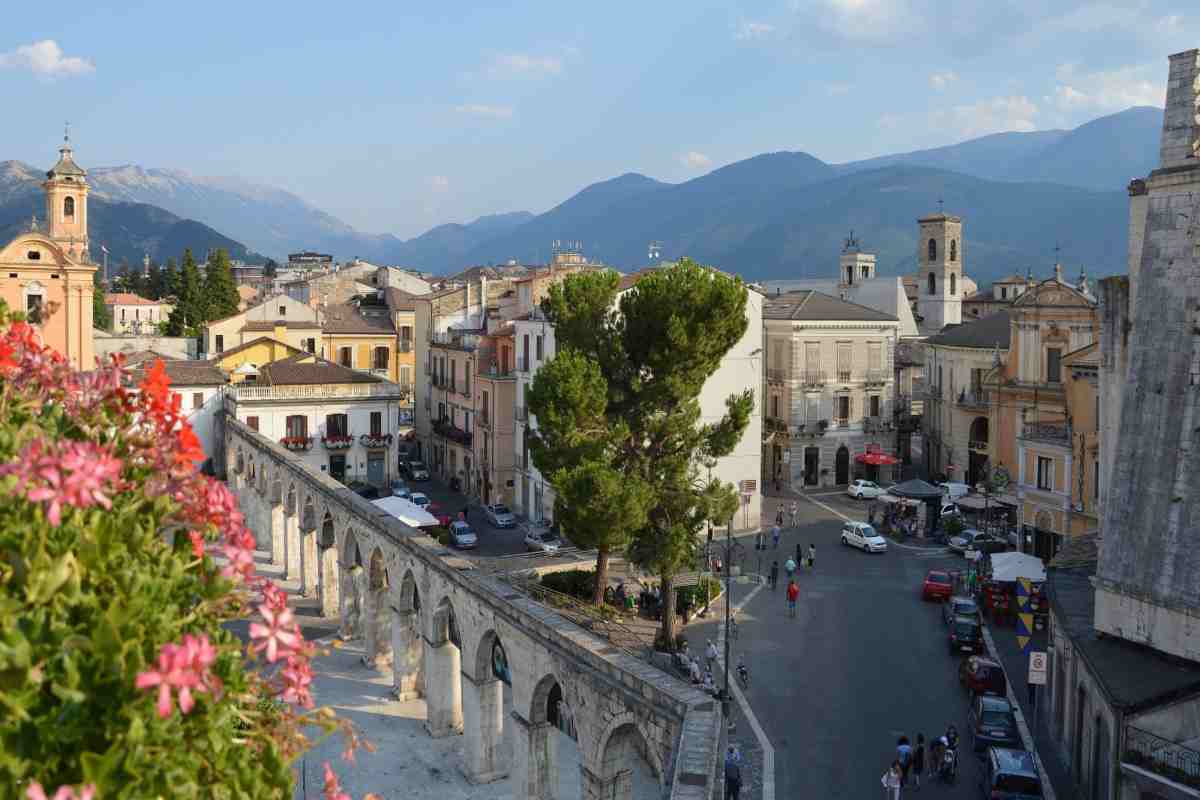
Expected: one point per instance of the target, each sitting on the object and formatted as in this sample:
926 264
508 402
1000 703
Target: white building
533 496
135 314
340 421
199 386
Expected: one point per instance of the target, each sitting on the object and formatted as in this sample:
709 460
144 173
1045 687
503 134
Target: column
252 508
443 690
618 787
352 602
275 524
377 629
330 604
407 656
531 760
310 565
483 723
291 546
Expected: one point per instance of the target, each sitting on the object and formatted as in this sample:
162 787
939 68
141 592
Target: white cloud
46 59
439 184
940 80
863 20
695 160
1105 91
486 111
523 65
748 31
1000 114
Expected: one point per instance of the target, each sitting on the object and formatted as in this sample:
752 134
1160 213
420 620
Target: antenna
941 205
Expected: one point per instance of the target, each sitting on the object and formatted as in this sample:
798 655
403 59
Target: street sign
1037 668
748 486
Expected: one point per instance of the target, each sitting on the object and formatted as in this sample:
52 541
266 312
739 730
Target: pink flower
65 473
333 790
185 668
278 636
36 792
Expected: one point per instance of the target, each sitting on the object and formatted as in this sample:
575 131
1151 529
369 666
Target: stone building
133 314
47 272
829 386
997 297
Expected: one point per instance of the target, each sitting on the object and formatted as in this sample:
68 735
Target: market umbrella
876 458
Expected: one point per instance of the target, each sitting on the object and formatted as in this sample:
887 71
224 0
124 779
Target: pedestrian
775 535
774 574
812 555
918 760
733 779
779 515
799 554
758 541
795 511
790 568
710 654
904 758
694 669
793 594
891 782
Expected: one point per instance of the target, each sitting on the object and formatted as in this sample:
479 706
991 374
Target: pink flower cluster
184 668
36 792
279 638
333 789
65 473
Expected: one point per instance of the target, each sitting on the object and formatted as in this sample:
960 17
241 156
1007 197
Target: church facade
46 271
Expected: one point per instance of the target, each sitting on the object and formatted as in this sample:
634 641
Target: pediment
17 252
1053 293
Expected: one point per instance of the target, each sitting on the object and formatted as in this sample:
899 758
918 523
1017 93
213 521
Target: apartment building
534 343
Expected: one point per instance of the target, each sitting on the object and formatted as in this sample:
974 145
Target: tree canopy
220 293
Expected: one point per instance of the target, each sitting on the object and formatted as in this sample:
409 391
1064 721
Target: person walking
789 567
774 580
733 778
779 515
904 758
812 556
891 782
918 761
793 594
710 654
775 535
795 513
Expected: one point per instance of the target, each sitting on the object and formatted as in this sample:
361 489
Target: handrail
1170 759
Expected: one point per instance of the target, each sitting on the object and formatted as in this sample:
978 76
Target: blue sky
395 119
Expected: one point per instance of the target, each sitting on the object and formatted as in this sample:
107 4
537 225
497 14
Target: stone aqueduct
434 621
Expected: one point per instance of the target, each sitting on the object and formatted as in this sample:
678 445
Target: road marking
1022 727
768 790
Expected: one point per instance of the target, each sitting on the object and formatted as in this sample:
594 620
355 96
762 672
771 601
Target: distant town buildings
131 313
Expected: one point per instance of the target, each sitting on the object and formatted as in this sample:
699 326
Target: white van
864 537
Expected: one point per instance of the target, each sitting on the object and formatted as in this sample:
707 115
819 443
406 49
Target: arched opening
954 250
353 589
241 463
328 578
443 673
953 283
842 465
932 283
553 724
378 614
289 501
407 653
628 767
69 207
932 250
487 704
977 452
292 546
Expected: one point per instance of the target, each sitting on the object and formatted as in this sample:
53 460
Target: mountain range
1021 195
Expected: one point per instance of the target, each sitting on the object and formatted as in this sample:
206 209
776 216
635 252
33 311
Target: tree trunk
667 630
601 575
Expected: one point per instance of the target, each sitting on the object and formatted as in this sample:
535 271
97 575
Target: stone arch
69 206
932 283
626 723
487 708
354 589
979 430
408 676
328 538
443 625
289 501
622 748
443 672
954 250
932 248
539 705
351 553
408 597
378 613
377 579
240 463
252 474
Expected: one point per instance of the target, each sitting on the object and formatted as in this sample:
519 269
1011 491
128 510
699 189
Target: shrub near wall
117 678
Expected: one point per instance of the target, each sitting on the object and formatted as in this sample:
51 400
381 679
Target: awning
893 500
876 459
1007 567
406 511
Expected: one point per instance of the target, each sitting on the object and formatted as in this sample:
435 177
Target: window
453 375
812 356
866 271
197 400
844 354
220 343
814 411
283 311
123 314
381 358
377 423
297 425
310 344
775 406
932 284
525 351
485 406
33 308
137 314
874 405
405 376
932 250
69 207
850 275
539 348
954 250
953 283
1053 365
252 423
1003 292
1045 473
34 255
1096 479
346 356
336 425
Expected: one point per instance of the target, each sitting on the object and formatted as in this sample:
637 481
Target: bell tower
940 271
855 265
66 203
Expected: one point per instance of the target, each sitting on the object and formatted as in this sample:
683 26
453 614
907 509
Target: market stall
1007 571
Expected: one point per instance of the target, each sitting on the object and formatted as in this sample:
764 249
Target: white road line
1022 727
768 790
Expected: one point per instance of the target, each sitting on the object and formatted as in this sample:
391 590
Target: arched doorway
628 768
443 678
487 705
553 717
842 466
977 453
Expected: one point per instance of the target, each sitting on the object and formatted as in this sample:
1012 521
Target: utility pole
728 605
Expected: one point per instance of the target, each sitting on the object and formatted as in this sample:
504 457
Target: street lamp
728 605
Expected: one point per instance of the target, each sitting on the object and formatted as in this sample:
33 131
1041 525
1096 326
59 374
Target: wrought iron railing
448 431
1054 432
1169 759
975 399
843 376
774 425
813 377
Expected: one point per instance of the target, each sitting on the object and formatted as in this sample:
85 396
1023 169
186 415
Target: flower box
376 441
297 442
337 442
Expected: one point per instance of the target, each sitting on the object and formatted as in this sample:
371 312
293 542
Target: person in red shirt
793 594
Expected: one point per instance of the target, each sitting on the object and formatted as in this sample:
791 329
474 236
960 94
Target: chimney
1180 131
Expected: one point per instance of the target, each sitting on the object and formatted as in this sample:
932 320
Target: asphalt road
492 541
864 661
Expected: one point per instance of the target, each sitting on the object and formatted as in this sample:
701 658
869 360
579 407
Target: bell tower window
932 284
954 250
953 283
933 250
69 207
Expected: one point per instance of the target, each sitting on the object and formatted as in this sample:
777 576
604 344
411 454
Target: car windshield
1019 784
938 577
867 532
546 536
994 719
501 509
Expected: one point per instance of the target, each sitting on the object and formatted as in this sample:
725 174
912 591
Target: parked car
420 499
987 543
462 537
966 635
864 537
364 490
991 723
960 543
864 489
959 606
499 515
1011 775
400 489
542 540
953 491
415 470
937 585
982 675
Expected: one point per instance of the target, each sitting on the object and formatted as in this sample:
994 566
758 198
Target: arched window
932 250
69 207
954 250
849 274
932 284
953 283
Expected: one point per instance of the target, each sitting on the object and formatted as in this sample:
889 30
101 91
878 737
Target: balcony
247 393
337 442
1173 761
774 425
300 444
878 377
813 378
843 376
1049 432
376 441
841 422
520 413
975 399
776 375
498 373
447 431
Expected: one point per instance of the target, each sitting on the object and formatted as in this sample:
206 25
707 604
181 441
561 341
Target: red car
982 675
937 586
442 517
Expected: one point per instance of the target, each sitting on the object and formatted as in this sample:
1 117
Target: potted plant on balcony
369 440
296 442
337 442
823 426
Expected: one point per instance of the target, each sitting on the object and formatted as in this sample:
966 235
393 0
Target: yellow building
244 360
362 336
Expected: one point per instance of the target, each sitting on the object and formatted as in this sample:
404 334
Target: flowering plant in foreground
119 679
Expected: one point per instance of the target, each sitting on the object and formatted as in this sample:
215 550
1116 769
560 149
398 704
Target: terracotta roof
810 305
988 333
128 299
268 325
289 372
985 296
140 356
185 373
247 292
346 318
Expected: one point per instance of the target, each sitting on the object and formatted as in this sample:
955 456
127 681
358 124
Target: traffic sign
1037 667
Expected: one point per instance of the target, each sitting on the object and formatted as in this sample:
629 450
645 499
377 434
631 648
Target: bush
695 594
580 583
118 672
953 526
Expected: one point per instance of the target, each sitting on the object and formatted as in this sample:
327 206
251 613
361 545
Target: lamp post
728 605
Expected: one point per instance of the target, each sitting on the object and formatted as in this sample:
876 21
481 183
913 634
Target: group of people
913 761
791 566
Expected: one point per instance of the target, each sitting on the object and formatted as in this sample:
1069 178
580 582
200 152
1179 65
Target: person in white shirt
710 654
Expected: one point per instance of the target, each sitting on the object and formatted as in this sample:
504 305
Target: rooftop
291 372
988 333
128 299
809 305
184 373
347 319
269 325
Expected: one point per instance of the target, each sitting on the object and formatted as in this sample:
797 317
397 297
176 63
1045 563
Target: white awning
406 511
1007 567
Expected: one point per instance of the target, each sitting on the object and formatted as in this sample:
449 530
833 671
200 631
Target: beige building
301 326
134 314
495 393
47 273
830 386
997 297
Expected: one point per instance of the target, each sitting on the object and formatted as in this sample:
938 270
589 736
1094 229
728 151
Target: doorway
375 470
812 460
842 465
337 467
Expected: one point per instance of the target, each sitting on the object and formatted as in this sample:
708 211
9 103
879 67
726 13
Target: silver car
462 536
542 540
499 515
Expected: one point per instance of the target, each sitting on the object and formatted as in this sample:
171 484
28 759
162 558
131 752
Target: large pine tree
188 315
220 292
170 278
101 319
